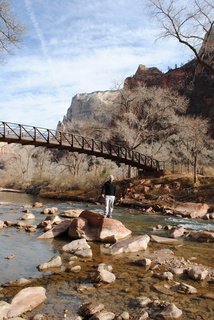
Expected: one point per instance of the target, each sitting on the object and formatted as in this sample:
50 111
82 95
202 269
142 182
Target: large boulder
80 228
93 227
190 209
132 244
113 230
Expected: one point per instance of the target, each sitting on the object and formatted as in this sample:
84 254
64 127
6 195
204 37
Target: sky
77 46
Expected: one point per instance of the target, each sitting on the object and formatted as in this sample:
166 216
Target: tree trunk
195 168
129 171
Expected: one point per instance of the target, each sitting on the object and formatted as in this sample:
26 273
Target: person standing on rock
108 192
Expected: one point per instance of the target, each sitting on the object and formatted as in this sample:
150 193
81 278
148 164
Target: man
108 192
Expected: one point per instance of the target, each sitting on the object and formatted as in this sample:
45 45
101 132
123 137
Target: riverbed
131 281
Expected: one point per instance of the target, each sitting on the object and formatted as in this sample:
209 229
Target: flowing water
64 289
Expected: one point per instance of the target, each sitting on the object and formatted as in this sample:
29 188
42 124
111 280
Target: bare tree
148 116
11 29
193 141
191 24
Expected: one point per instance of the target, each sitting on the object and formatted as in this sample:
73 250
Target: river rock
132 244
177 232
113 230
54 262
73 213
125 315
21 225
205 235
8 223
31 228
197 273
208 295
184 288
190 209
59 229
159 239
103 315
103 275
4 308
1 224
90 308
74 269
143 315
19 282
26 300
143 262
39 317
76 245
142 301
28 216
170 312
93 227
86 253
164 275
4 203
52 210
177 271
79 228
38 205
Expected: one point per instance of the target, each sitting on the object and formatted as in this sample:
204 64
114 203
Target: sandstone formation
92 104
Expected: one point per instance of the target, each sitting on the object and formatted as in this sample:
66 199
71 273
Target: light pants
109 205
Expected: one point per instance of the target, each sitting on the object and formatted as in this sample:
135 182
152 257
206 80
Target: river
131 281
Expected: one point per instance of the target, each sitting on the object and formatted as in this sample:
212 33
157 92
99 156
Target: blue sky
77 46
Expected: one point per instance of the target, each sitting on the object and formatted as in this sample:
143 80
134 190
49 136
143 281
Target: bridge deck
30 135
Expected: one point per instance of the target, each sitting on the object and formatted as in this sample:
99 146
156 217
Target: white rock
19 282
170 312
132 244
76 245
26 300
52 210
103 315
54 262
73 213
28 216
86 253
197 273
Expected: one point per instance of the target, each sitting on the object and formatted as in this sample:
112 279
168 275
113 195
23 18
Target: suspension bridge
30 135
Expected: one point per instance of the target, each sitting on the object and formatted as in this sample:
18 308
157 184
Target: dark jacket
109 188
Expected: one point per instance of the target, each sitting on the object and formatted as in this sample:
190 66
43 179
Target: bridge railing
25 134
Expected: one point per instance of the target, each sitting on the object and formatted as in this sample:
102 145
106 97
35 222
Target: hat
111 177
